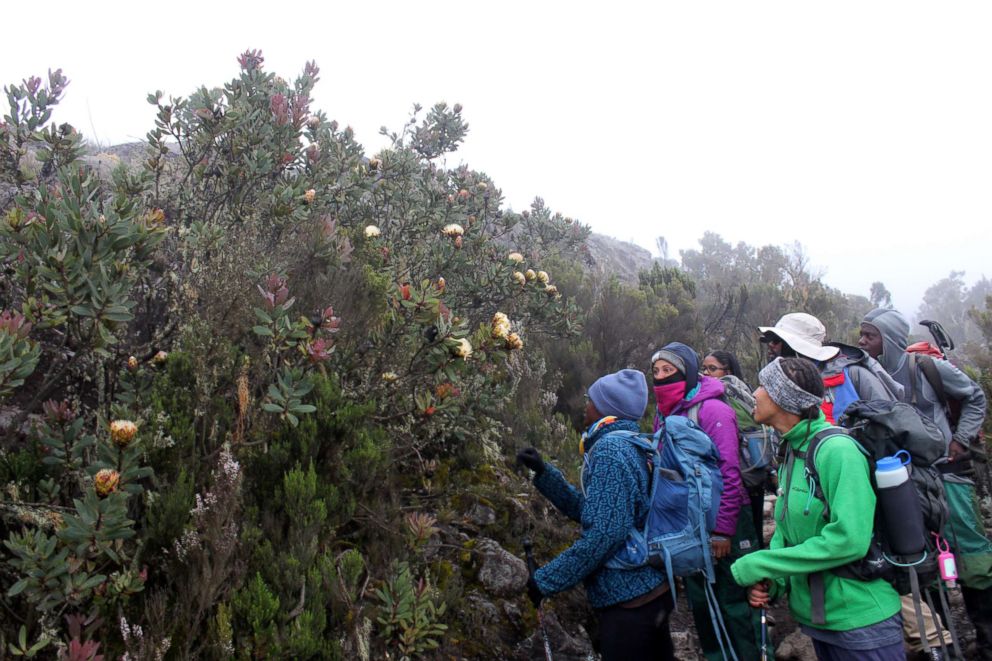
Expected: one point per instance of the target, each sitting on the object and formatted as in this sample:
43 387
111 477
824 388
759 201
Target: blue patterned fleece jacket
616 498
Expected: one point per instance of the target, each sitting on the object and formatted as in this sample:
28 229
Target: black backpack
882 428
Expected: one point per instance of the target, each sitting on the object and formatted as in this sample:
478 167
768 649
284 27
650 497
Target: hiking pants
911 630
978 604
637 634
742 622
828 652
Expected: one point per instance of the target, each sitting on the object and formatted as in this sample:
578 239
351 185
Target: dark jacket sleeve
959 386
566 498
607 517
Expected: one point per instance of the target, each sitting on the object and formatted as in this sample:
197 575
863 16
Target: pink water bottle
945 562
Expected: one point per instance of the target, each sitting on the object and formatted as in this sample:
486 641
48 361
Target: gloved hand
534 592
531 458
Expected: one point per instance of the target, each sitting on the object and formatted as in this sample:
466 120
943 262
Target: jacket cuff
962 440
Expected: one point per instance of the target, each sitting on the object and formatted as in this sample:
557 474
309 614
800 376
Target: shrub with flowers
195 429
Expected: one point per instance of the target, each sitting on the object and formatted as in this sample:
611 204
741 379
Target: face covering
668 395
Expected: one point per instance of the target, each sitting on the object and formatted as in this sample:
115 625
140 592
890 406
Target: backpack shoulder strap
693 412
810 458
933 377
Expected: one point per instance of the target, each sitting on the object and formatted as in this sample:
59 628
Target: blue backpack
685 495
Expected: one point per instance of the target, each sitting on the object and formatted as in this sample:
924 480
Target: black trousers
637 634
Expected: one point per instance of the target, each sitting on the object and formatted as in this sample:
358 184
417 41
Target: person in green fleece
856 619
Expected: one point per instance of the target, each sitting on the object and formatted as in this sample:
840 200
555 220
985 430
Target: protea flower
372 232
106 482
160 357
520 278
501 325
132 363
441 284
515 257
390 377
513 342
551 291
452 230
310 195
530 274
543 277
464 348
122 432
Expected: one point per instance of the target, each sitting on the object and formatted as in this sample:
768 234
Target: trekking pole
764 634
531 568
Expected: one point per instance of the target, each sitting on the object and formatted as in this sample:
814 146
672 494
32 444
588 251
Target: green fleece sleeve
845 537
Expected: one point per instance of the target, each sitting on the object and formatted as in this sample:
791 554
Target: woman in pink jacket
680 390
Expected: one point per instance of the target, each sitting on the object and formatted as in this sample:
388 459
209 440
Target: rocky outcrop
500 572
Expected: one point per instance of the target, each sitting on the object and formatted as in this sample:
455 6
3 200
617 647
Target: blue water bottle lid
892 463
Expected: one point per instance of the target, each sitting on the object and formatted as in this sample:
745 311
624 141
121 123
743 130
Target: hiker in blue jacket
633 605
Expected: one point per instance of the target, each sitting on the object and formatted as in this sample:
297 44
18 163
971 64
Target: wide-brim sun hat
804 333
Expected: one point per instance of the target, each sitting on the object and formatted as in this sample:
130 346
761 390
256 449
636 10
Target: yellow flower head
372 232
390 377
515 257
122 432
530 274
543 276
106 482
453 230
132 363
310 195
501 325
514 342
160 357
551 291
464 348
520 278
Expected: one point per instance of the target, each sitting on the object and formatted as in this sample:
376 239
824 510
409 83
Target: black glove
534 592
531 458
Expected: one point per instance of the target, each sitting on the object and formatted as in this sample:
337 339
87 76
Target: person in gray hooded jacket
885 336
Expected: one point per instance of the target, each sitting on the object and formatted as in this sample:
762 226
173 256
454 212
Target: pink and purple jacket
719 421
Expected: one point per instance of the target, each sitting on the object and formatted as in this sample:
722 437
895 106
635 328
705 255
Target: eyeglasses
709 369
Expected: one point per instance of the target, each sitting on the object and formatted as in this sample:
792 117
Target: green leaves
409 612
18 355
285 396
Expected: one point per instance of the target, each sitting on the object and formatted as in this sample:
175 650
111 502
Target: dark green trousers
742 622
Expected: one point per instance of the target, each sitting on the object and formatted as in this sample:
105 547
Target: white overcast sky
861 129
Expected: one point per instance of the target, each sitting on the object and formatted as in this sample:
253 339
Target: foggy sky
860 129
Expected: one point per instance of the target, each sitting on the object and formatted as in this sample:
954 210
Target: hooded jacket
804 542
719 421
894 330
615 500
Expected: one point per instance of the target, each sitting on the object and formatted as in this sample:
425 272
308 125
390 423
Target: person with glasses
680 390
724 365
